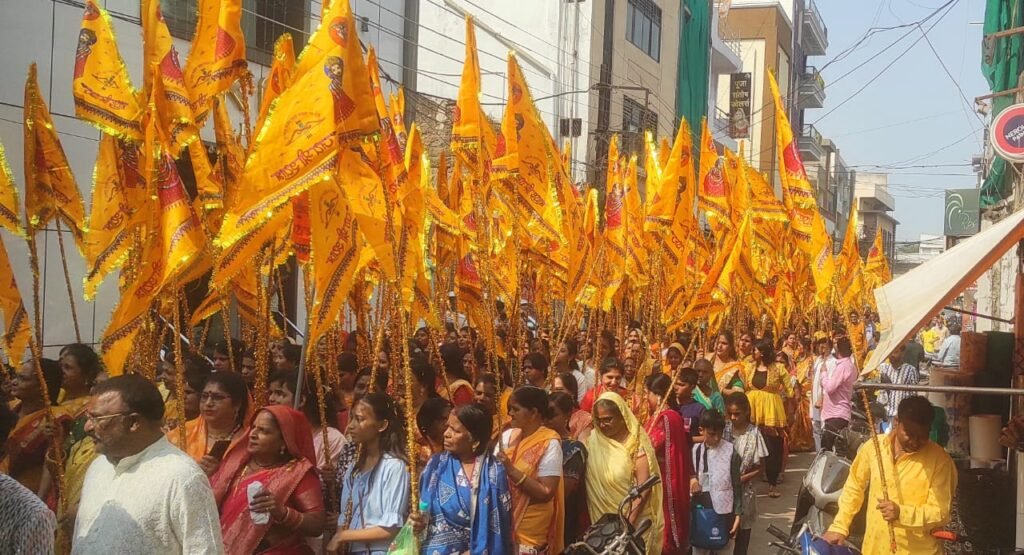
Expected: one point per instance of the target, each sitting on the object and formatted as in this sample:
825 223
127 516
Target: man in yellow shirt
930 340
921 481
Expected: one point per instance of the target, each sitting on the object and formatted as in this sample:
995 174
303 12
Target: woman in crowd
621 456
80 366
459 388
801 432
466 491
431 423
574 467
728 367
580 421
224 409
486 395
750 446
228 357
706 392
375 489
279 457
767 383
611 381
672 447
565 362
280 391
31 439
532 455
745 347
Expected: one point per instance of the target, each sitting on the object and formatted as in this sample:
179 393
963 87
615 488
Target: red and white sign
1008 133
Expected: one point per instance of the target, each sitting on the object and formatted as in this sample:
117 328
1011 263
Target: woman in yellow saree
532 455
622 456
801 435
728 367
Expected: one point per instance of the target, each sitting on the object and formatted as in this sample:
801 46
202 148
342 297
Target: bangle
520 481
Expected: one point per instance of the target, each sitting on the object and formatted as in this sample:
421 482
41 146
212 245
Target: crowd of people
506 463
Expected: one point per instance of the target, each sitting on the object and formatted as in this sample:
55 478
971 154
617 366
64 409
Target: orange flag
614 266
164 76
299 144
524 158
713 194
849 266
50 188
9 219
17 331
677 183
704 302
797 192
335 252
637 259
217 56
396 109
120 204
876 268
103 91
473 138
282 70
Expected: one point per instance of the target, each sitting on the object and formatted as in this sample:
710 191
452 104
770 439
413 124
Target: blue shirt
378 497
691 413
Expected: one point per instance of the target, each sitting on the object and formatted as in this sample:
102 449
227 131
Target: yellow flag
703 302
217 56
677 183
713 194
9 219
473 138
230 160
849 266
823 266
50 188
165 83
876 268
737 277
17 331
797 192
282 70
335 252
736 184
120 204
396 109
614 267
524 160
298 145
103 91
637 260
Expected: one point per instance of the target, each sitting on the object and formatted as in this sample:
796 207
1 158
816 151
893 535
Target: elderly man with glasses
143 495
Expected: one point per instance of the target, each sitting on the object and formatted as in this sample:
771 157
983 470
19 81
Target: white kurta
156 502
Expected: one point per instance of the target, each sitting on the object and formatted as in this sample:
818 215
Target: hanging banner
1008 133
739 106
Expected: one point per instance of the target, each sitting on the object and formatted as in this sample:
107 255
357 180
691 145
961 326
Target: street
778 511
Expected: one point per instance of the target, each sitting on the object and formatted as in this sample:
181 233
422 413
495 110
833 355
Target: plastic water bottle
424 507
258 517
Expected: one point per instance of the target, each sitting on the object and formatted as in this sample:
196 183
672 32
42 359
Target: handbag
708 529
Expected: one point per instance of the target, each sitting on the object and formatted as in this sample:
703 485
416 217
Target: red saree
672 447
26 452
295 484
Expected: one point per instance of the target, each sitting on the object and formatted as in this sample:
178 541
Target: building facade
875 206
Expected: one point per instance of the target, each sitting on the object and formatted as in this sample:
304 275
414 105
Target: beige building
875 207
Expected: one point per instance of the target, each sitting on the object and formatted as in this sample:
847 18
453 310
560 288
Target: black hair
288 377
739 400
538 361
712 420
572 346
767 350
431 411
565 403
392 439
138 393
237 348
478 423
701 363
348 363
571 385
8 420
380 380
53 376
659 384
451 357
954 328
196 380
486 379
425 374
788 361
843 345
292 353
611 363
916 409
86 359
609 337
730 339
805 342
310 408
689 375
234 385
533 398
351 341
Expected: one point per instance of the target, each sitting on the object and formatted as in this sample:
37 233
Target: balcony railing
812 89
810 144
815 36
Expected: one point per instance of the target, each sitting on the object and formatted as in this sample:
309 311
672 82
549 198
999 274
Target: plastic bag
405 543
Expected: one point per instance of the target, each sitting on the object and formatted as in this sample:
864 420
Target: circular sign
1008 133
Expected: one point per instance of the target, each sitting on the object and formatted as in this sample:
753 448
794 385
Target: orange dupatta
544 526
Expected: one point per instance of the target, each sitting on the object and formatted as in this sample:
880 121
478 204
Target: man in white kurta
144 495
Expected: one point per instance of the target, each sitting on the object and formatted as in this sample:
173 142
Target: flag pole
67 281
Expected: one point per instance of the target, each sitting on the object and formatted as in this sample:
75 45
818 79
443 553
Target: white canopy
905 303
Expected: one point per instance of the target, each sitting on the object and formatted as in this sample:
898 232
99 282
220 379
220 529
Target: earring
284 449
476 445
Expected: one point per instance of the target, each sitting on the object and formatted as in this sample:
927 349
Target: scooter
613 534
805 543
818 499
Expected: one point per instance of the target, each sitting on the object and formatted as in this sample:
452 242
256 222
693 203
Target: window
263 21
643 26
636 119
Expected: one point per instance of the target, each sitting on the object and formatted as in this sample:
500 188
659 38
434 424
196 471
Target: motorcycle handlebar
636 491
644 525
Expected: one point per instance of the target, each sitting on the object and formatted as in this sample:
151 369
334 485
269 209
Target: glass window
643 26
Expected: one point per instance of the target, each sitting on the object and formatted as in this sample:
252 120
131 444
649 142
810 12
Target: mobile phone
219 448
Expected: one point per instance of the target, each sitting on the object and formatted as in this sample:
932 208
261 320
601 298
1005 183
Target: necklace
213 438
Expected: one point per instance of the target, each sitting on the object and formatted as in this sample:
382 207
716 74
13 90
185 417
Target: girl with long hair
768 382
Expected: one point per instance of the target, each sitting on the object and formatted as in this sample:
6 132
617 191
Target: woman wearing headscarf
466 491
672 446
281 459
621 456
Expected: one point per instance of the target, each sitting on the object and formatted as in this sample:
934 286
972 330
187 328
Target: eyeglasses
95 419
